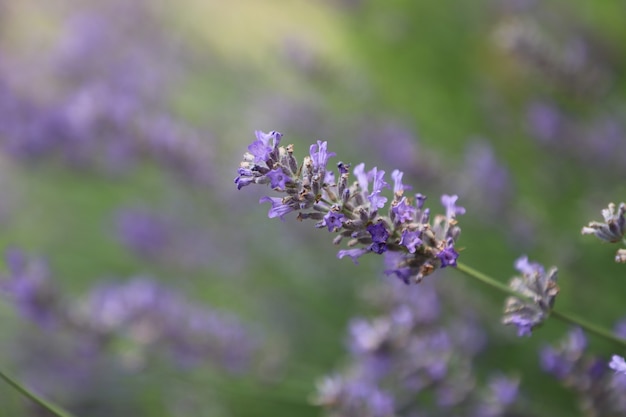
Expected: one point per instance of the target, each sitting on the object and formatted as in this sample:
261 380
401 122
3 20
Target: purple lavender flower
537 289
153 319
109 106
409 359
598 391
352 210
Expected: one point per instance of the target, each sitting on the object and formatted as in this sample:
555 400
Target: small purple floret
411 239
333 220
320 155
379 237
452 210
448 255
279 209
278 178
403 211
352 253
398 187
377 200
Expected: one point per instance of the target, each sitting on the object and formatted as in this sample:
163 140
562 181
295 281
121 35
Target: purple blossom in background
143 232
618 364
145 314
410 359
112 78
544 121
154 318
599 391
484 182
28 284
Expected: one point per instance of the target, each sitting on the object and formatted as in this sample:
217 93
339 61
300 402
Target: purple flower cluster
28 284
414 244
153 318
599 390
412 359
537 291
141 313
108 108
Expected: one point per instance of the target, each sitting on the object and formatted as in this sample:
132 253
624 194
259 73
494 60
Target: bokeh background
139 281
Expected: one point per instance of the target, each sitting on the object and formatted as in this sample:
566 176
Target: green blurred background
442 75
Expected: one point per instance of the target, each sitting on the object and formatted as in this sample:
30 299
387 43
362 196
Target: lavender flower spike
415 247
538 291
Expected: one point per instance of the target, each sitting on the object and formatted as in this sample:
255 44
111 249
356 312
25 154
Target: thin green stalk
565 317
57 411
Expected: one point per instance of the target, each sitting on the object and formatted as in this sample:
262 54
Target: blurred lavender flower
108 106
148 316
483 181
545 121
537 289
153 318
28 283
411 352
143 232
598 391
418 245
618 364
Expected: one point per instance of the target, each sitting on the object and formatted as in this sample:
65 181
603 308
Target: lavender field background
138 281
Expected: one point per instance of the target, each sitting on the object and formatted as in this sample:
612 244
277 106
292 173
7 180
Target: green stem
565 317
32 396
